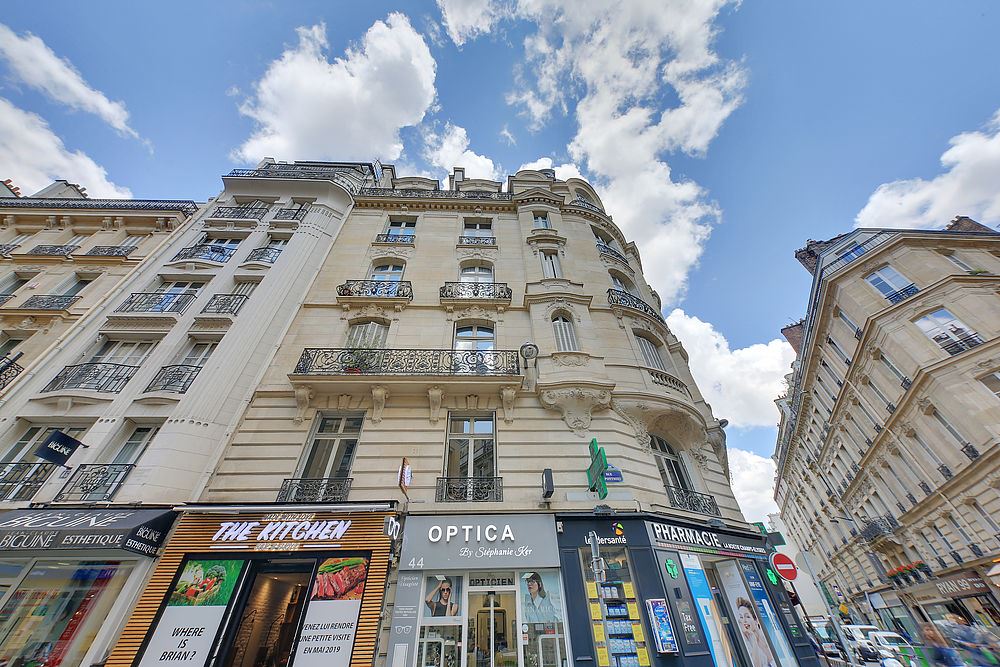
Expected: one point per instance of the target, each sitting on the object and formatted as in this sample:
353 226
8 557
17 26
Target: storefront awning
140 531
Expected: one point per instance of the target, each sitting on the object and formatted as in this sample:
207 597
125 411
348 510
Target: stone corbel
303 397
507 395
717 440
434 397
380 394
343 402
576 403
925 406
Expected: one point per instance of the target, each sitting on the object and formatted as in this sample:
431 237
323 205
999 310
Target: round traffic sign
784 566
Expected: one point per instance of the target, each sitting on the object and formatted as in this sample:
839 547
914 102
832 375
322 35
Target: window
478 228
245 288
581 194
888 281
135 444
278 243
892 367
650 353
471 450
957 261
179 287
18 239
133 240
74 286
474 337
541 220
198 353
370 335
226 242
8 344
622 284
992 381
76 240
11 283
402 228
550 264
948 331
387 272
847 320
476 273
853 251
24 449
334 443
669 464
124 352
565 334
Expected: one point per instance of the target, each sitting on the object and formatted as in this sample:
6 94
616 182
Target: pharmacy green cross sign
595 473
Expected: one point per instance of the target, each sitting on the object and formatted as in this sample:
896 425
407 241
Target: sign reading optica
479 541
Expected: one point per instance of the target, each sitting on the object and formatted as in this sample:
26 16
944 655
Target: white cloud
33 156
307 107
740 384
563 171
968 186
753 483
467 19
32 62
508 136
450 148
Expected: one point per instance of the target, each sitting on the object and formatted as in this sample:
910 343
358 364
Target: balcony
4 298
469 490
668 380
157 302
7 248
111 251
9 369
958 344
901 294
105 378
396 239
21 481
617 297
607 251
225 304
207 251
493 292
349 176
290 214
54 250
175 379
583 203
477 240
875 529
348 361
315 490
267 255
365 290
240 212
684 499
94 483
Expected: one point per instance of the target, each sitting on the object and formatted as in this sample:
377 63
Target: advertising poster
540 597
443 598
746 616
663 631
768 617
194 611
708 611
327 637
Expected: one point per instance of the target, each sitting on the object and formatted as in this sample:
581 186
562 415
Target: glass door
492 629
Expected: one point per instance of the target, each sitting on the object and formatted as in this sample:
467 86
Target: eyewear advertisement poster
194 612
327 636
540 597
663 631
767 614
708 611
443 598
746 615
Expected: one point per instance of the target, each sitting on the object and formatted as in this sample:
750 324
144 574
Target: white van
857 634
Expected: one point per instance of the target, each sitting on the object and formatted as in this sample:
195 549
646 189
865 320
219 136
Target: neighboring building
887 448
465 355
805 587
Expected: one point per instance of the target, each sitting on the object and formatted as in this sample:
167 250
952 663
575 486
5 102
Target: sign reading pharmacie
705 540
140 531
479 541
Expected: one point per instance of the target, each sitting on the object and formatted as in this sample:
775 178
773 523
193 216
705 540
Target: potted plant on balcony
356 361
923 568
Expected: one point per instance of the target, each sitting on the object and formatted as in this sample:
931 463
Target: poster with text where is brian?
331 623
194 612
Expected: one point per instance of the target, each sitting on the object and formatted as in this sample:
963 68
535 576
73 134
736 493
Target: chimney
794 333
963 223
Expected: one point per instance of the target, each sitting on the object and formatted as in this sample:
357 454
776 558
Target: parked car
892 645
856 636
832 650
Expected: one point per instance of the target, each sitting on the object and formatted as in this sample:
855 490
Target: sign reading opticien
479 541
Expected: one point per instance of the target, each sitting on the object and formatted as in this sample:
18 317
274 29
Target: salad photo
206 582
341 579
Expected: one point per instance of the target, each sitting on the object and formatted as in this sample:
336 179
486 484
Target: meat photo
340 579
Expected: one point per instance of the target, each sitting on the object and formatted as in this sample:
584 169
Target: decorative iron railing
583 203
94 482
106 378
7 248
477 240
380 289
240 212
209 251
267 254
54 249
157 302
617 297
494 291
290 213
692 501
469 489
116 204
176 379
960 344
225 304
346 175
903 293
432 194
668 380
403 239
50 302
9 369
315 490
111 250
608 251
970 451
4 298
21 481
352 361
880 527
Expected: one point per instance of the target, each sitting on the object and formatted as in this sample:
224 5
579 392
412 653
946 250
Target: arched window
474 337
480 272
650 352
606 240
565 334
670 465
367 334
387 271
582 194
622 283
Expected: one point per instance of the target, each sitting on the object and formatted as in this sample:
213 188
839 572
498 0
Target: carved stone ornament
576 404
400 252
716 438
700 458
370 310
477 313
434 397
636 415
380 394
561 305
988 364
488 254
343 402
303 399
507 395
570 358
925 406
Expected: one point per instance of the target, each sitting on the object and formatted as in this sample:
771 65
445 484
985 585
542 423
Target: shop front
68 578
264 586
666 593
479 591
893 614
963 593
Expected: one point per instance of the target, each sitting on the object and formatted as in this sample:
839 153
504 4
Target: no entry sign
784 566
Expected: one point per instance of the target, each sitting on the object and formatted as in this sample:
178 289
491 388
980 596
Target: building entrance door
492 629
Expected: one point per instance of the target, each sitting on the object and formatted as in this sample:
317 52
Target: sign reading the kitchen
479 541
280 532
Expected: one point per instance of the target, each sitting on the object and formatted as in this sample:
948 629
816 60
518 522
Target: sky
720 135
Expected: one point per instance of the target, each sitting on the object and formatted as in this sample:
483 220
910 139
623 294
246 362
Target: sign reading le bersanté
479 541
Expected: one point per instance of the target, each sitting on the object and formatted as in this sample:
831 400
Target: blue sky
721 135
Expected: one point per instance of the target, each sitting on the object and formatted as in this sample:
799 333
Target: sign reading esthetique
479 541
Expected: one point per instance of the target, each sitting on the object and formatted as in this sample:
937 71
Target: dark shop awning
140 531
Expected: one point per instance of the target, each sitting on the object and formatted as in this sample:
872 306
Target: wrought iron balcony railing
157 302
469 489
115 204
9 369
21 481
492 291
617 297
290 213
403 239
267 254
350 361
608 251
209 251
901 294
583 203
4 298
111 250
7 248
54 249
106 378
970 451
240 212
960 344
668 380
315 490
225 304
692 501
50 302
432 194
176 379
477 240
880 527
94 482
379 289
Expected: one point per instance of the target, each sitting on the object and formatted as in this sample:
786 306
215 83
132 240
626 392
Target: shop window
334 443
